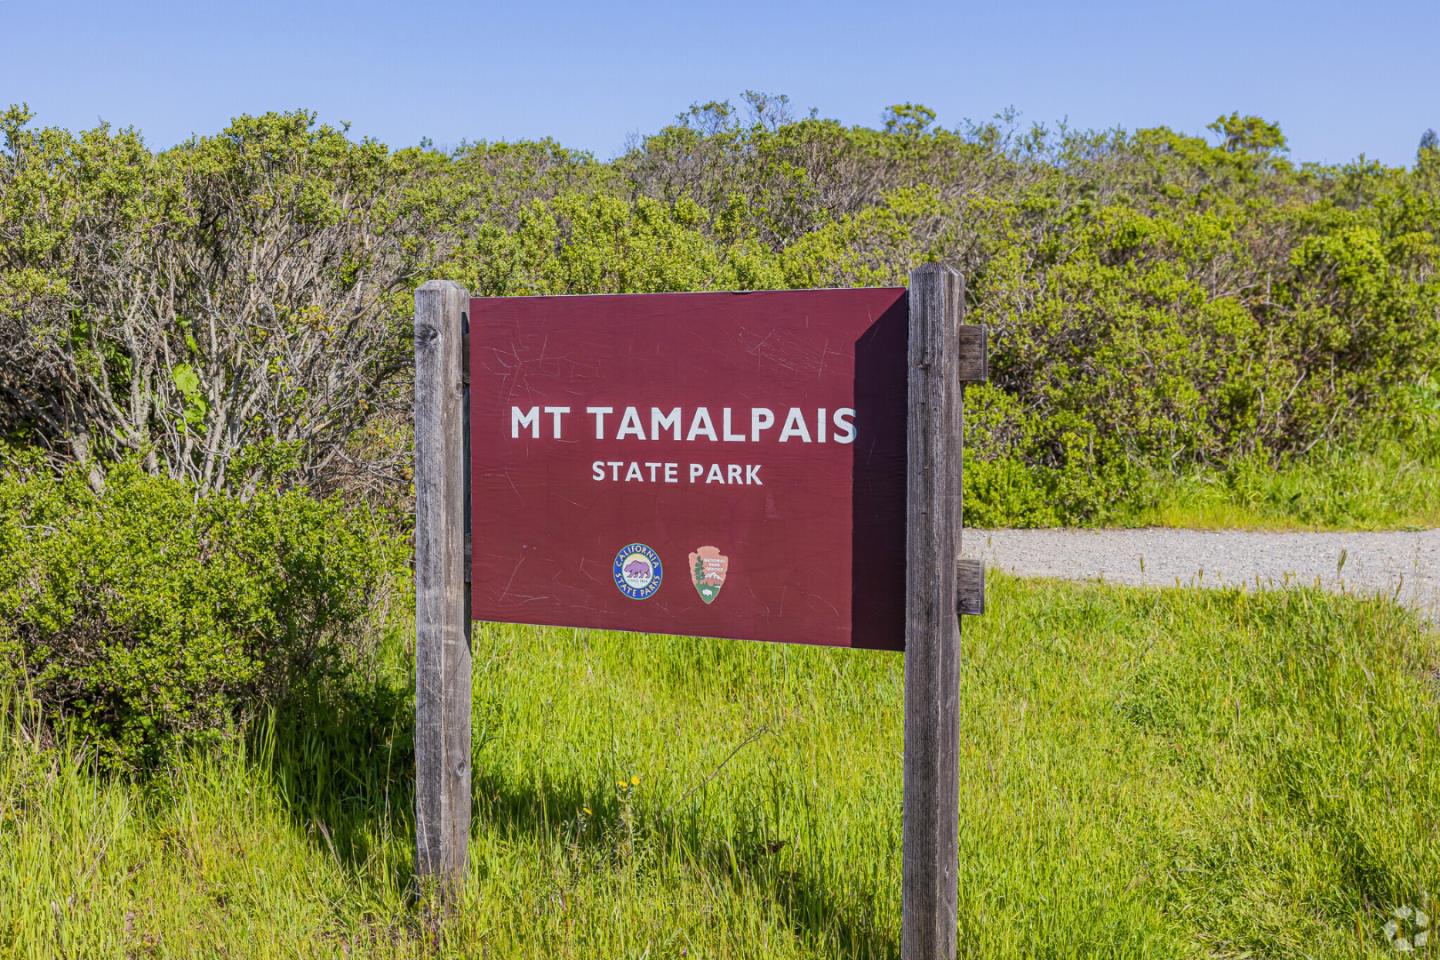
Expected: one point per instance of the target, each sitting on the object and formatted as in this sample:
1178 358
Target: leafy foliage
235 310
149 619
239 291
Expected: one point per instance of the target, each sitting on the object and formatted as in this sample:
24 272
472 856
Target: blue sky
1343 79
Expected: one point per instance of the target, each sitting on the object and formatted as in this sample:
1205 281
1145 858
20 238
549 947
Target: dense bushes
226 311
148 618
235 309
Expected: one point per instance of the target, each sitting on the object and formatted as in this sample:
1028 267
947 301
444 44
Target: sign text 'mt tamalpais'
711 464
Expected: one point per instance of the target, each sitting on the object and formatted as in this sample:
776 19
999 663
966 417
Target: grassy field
1145 774
1389 488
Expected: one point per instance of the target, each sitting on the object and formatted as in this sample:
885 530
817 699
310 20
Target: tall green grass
1144 774
1389 487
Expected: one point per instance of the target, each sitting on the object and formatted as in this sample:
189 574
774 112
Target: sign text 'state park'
711 464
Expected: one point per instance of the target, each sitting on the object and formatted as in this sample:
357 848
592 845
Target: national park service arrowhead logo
707 570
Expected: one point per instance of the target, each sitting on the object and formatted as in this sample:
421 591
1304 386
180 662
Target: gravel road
1400 564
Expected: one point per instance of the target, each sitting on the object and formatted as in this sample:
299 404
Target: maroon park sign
780 466
710 464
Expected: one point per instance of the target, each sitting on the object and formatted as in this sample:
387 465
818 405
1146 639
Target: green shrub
150 619
1161 306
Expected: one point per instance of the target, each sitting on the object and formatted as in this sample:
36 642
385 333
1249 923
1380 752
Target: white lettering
555 414
599 414
795 426
761 419
669 423
630 425
530 418
730 435
659 420
635 471
702 415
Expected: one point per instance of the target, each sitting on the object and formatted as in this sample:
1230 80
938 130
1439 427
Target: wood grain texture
442 622
969 587
932 630
974 358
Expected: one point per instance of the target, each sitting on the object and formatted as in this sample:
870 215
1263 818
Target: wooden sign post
442 602
779 466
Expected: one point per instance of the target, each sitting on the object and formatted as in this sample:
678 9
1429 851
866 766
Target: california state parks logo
637 571
707 572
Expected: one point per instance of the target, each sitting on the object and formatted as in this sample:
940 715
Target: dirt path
1403 565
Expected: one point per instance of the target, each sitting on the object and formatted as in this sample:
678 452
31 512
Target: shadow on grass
343 763
344 766
751 860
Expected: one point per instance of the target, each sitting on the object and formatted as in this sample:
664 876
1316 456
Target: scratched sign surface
708 464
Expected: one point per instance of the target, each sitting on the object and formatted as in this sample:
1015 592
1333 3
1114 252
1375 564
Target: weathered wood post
938 587
442 597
